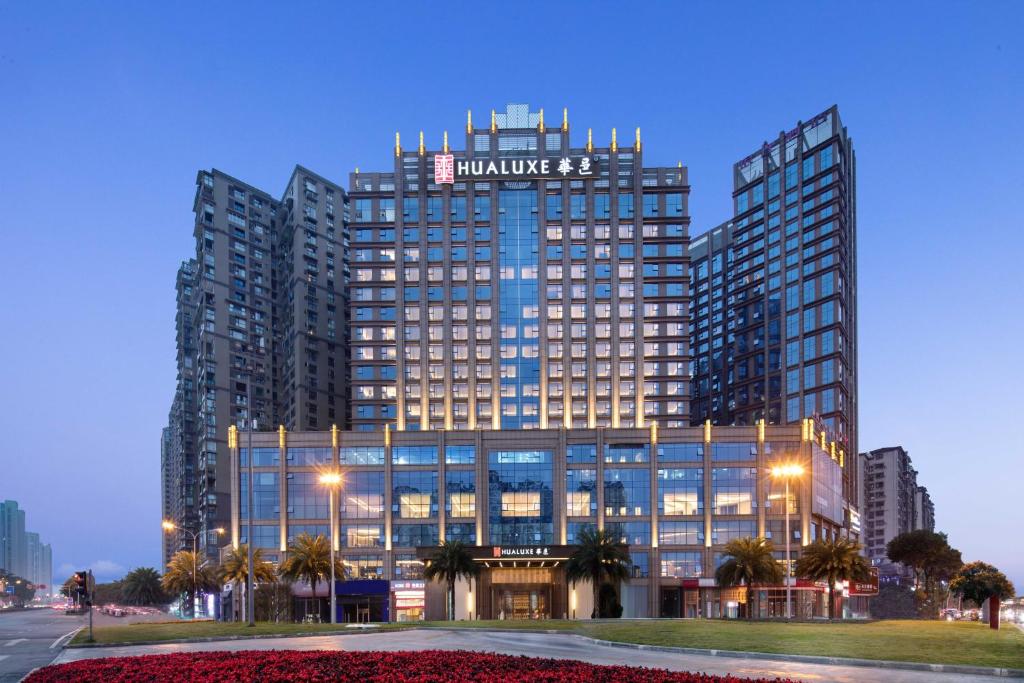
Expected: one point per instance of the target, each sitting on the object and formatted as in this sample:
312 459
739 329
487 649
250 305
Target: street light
787 472
332 480
169 526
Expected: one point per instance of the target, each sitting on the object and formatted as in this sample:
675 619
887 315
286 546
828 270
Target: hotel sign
447 170
521 551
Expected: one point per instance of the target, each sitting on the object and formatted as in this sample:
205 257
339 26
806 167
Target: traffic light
82 584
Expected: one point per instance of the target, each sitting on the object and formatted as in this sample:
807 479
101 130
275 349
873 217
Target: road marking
66 635
15 642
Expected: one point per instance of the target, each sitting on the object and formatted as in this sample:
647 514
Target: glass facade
520 497
518 309
676 501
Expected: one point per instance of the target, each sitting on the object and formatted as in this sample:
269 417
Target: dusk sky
108 111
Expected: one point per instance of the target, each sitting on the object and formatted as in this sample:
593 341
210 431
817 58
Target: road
29 638
559 646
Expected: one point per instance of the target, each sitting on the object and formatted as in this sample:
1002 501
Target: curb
215 639
739 654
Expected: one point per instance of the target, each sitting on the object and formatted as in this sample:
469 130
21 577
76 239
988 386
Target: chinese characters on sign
447 170
444 168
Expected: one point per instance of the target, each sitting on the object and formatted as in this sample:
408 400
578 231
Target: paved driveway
559 646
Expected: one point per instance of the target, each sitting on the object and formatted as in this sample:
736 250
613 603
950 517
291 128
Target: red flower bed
422 667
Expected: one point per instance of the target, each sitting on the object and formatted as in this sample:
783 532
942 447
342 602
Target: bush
430 665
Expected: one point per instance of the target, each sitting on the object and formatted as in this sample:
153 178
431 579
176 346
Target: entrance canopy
493 556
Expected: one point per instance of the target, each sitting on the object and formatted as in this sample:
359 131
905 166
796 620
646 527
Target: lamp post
250 420
332 480
169 526
787 472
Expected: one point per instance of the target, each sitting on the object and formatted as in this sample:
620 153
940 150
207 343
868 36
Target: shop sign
868 587
447 170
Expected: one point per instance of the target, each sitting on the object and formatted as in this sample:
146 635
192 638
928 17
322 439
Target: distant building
261 319
21 552
773 300
13 548
892 503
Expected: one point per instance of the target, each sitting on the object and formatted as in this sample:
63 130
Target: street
31 638
559 646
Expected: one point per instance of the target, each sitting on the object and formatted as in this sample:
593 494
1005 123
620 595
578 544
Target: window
627 492
680 452
733 490
625 206
733 451
362 496
681 491
680 533
460 493
414 494
581 493
681 564
626 453
414 455
460 455
581 453
361 455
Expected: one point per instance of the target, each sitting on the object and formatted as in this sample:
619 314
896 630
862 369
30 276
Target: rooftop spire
615 144
469 120
423 150
540 123
446 142
565 119
494 121
638 138
590 139
398 145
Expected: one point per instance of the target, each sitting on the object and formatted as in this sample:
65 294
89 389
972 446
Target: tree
932 560
980 581
450 562
141 586
187 575
22 593
309 559
749 561
833 562
599 557
235 567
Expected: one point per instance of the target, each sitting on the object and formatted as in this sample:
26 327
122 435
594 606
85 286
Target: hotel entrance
521 593
515 582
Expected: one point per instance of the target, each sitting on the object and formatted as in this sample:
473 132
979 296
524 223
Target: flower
430 666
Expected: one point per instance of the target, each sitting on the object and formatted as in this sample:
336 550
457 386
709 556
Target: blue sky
109 109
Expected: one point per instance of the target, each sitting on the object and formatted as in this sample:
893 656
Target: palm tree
450 562
187 574
599 558
235 568
833 561
142 587
309 559
748 561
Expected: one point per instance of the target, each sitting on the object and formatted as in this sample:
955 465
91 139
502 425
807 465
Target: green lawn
934 642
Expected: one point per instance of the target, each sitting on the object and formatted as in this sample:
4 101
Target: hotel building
519 283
